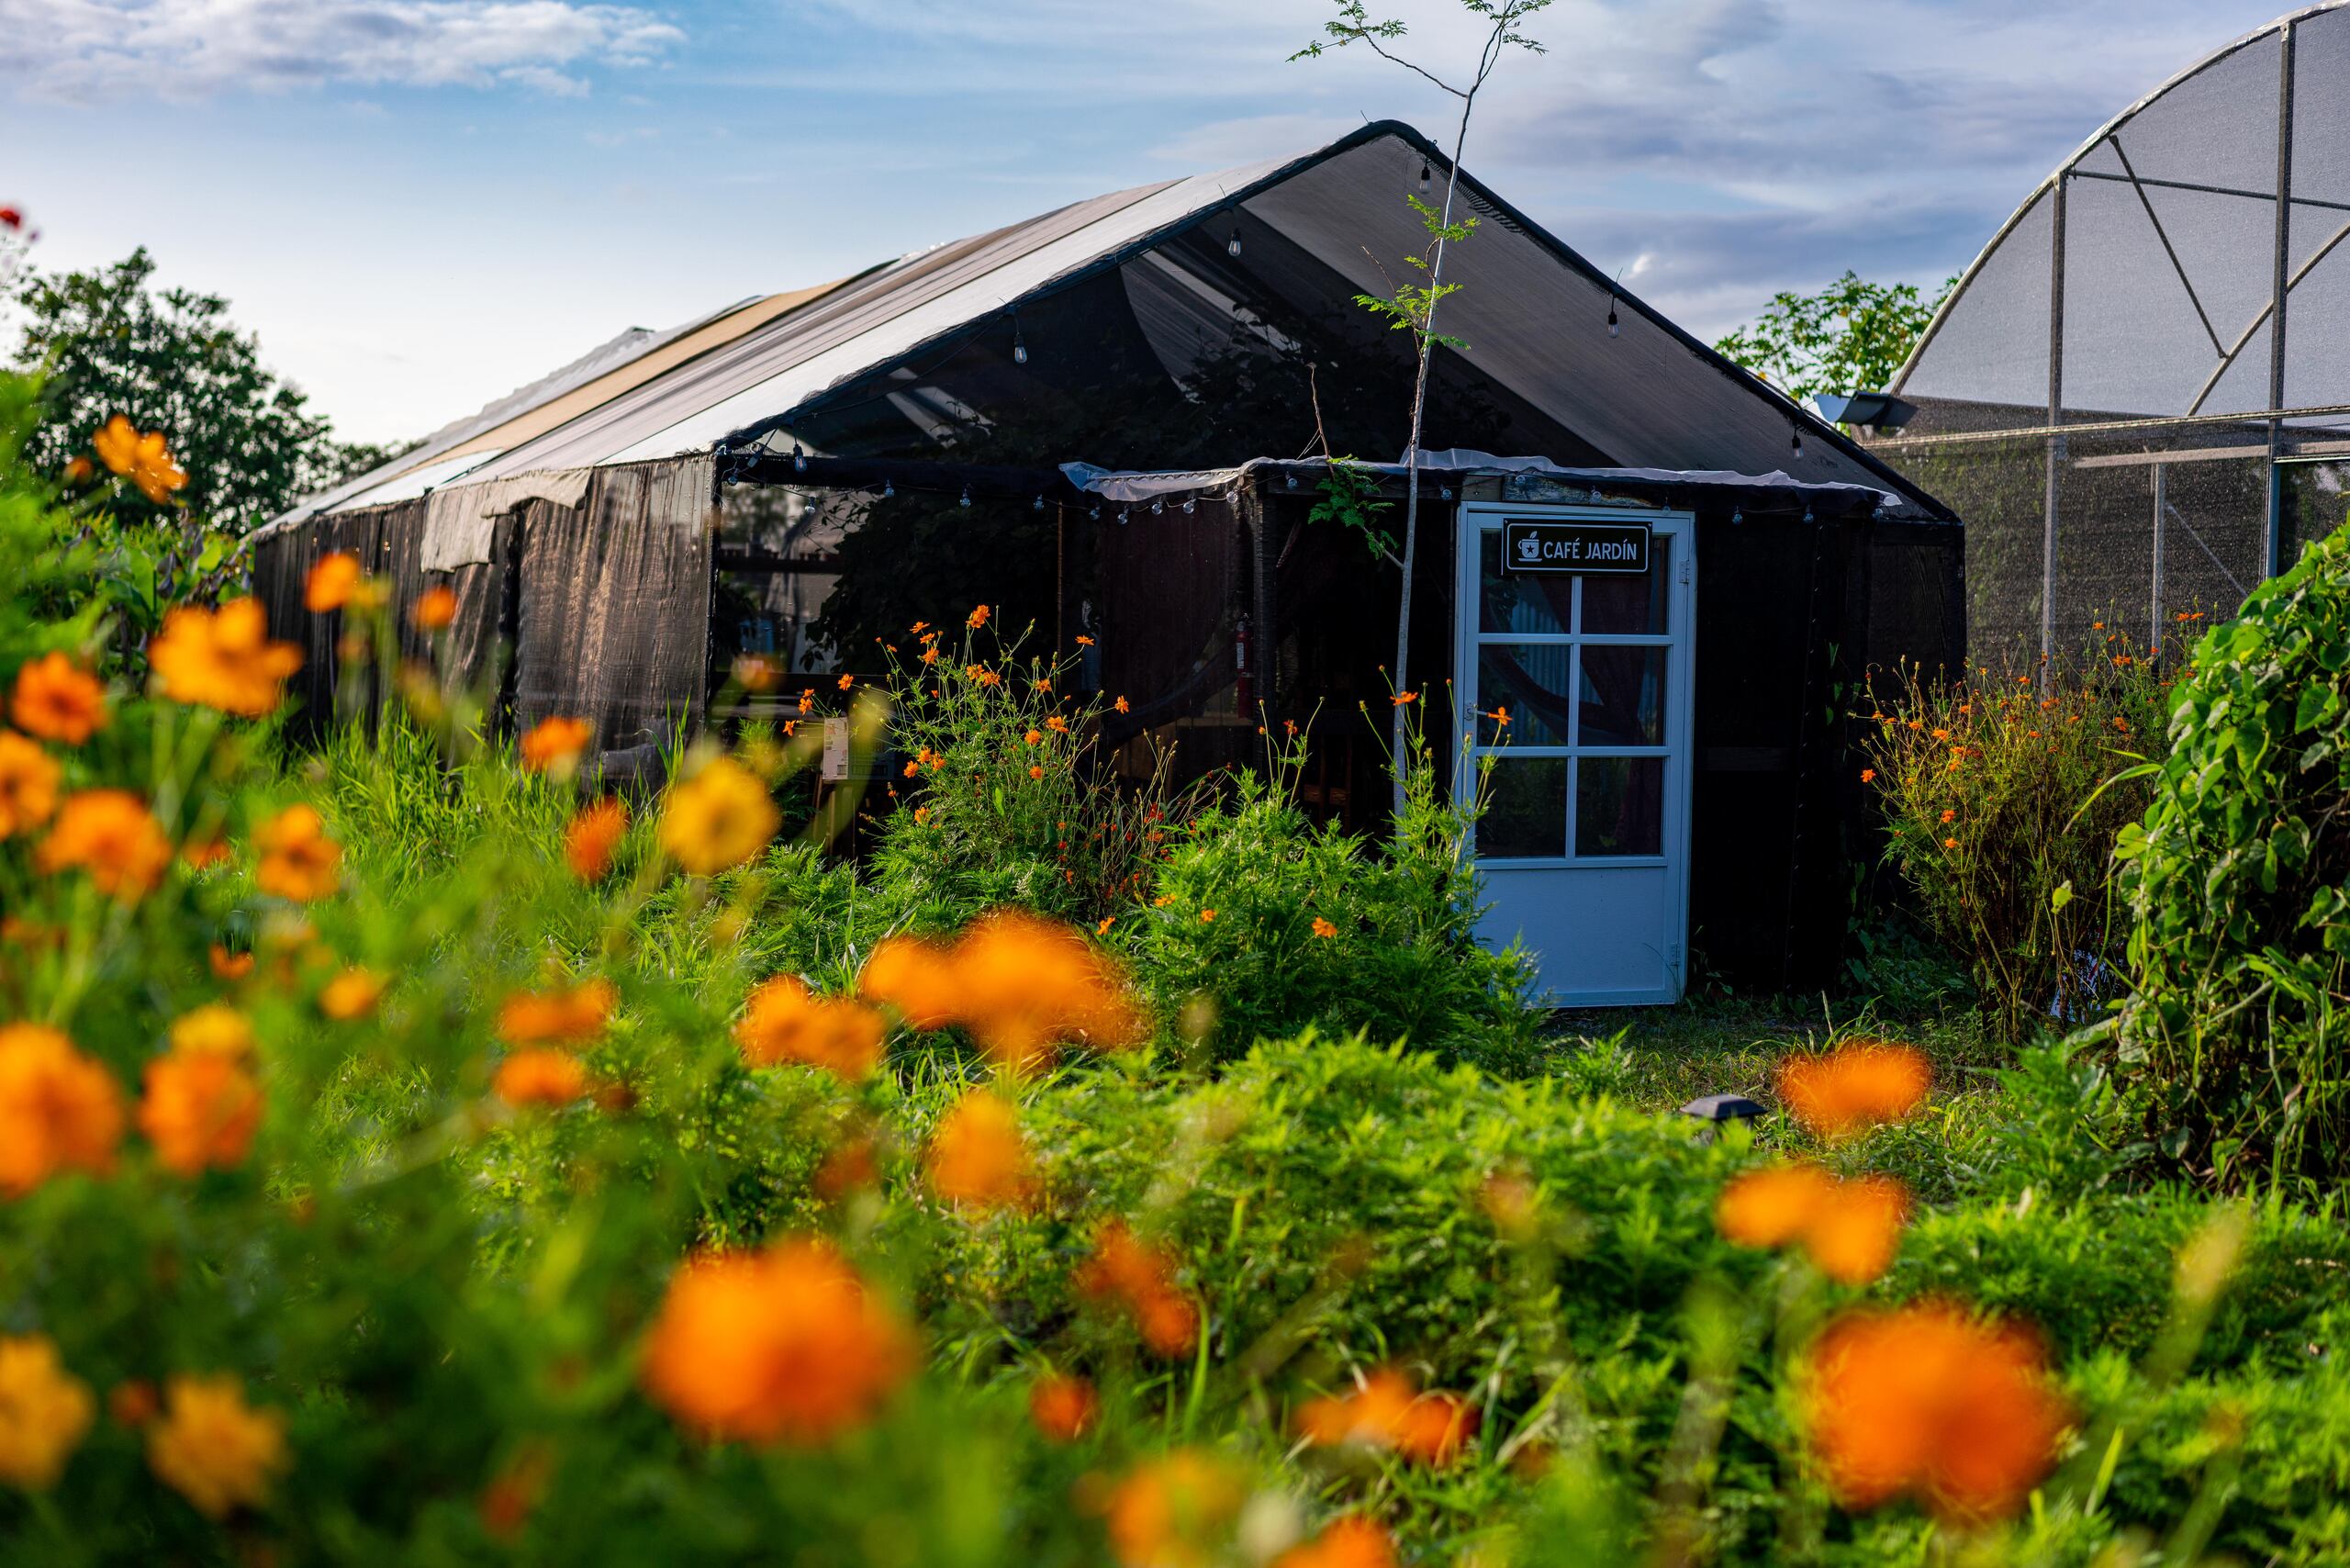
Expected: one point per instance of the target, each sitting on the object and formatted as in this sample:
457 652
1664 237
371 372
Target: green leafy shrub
1272 923
2238 884
2003 816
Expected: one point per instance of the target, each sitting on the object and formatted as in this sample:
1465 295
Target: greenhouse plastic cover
2169 251
1533 311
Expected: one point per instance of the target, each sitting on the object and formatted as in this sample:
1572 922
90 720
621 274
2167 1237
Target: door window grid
1574 751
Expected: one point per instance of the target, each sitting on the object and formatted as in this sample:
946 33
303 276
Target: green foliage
2237 883
1852 336
1234 938
1348 496
2003 806
106 344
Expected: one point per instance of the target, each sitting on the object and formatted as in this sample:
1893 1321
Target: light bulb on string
1125 516
888 490
1614 329
1038 505
1806 513
1736 515
1019 344
1427 176
1157 505
1232 246
1191 504
966 497
1094 510
799 459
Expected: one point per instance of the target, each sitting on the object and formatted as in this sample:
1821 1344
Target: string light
1191 504
1806 512
1157 505
966 497
1427 177
1797 443
1019 344
799 459
1038 505
1232 246
1125 516
1736 515
1614 284
888 490
1094 510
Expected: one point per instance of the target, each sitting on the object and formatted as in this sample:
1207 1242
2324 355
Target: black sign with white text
1581 546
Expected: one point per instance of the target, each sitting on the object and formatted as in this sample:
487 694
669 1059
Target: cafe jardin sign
1580 547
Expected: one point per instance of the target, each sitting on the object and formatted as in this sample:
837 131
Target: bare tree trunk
1412 462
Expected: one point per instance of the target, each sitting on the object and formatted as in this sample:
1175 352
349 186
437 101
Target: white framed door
1584 845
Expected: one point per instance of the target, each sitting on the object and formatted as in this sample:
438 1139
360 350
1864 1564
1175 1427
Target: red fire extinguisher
1244 685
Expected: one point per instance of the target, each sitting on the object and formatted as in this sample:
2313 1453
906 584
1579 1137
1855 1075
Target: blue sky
420 204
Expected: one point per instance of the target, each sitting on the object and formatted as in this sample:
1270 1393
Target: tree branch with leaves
1411 306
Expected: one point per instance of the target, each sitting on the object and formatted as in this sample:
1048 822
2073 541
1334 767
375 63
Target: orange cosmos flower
1868 775
212 1448
1207 916
784 1345
1129 1272
200 1112
203 854
331 582
142 459
112 836
914 978
1083 641
1032 738
1025 983
719 818
512 1494
1385 1411
352 994
1854 1087
44 1411
1035 772
591 835
1351 1542
29 777
1062 1408
1175 1511
788 1023
560 1015
978 618
1927 1401
554 745
298 860
435 609
977 1154
57 700
59 1110
1850 1229
222 658
229 966
539 1075
1323 927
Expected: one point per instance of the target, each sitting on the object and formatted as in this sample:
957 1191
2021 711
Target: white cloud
102 50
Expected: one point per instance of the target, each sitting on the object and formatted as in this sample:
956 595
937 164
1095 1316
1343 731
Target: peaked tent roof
1533 311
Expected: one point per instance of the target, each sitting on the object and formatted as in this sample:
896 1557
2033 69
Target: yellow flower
113 836
212 1448
142 459
720 817
222 659
29 778
57 700
216 1029
297 858
44 1410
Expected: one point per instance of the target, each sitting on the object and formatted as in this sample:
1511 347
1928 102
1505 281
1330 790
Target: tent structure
795 480
2139 395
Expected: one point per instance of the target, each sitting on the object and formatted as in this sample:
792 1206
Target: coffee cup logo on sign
1529 547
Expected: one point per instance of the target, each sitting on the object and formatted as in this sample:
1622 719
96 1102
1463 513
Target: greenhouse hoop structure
2138 393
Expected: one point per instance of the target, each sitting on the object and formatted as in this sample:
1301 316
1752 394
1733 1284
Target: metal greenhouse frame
2146 373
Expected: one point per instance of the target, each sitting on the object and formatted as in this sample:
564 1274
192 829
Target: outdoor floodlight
1715 1109
1881 410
